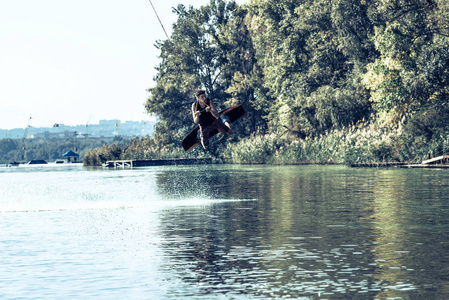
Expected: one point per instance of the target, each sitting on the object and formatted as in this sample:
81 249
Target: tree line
308 70
15 150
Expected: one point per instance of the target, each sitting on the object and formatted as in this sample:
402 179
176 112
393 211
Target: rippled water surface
224 231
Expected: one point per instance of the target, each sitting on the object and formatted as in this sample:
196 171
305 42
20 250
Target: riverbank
360 145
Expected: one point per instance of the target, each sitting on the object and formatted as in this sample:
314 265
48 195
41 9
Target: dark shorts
204 132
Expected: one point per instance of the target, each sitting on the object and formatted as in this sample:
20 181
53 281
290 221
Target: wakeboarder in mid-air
205 113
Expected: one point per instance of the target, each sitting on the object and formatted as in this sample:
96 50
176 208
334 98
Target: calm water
224 232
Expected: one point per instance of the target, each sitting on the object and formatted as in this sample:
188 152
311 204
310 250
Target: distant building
55 135
108 123
71 157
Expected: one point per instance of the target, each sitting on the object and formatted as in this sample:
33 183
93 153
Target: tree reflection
302 231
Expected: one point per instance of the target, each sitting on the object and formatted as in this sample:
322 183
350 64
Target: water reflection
410 226
332 232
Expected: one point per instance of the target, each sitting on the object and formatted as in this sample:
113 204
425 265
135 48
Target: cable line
160 22
190 86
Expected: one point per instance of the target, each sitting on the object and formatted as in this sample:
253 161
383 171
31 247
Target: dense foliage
310 74
307 68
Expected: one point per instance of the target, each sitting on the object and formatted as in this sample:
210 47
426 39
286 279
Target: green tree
410 76
189 60
7 145
209 48
240 73
312 58
8 150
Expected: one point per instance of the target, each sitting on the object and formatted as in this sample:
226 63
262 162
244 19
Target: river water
224 232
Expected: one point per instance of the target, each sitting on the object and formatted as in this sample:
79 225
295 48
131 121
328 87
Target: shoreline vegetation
362 144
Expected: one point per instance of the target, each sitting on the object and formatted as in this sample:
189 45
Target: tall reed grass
362 143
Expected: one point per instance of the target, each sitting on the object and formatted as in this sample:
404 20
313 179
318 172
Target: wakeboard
192 139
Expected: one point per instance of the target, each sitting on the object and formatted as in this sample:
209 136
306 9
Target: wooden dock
439 162
118 164
428 166
155 162
378 165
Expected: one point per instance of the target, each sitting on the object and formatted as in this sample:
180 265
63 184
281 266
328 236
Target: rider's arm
196 114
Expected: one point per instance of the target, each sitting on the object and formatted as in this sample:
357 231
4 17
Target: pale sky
78 62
